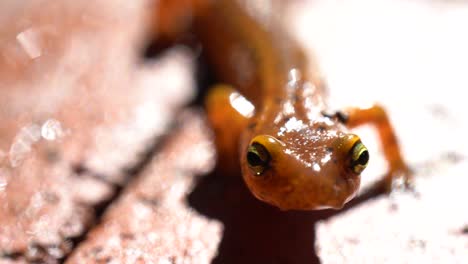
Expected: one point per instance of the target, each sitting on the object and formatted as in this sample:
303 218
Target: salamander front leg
377 116
229 113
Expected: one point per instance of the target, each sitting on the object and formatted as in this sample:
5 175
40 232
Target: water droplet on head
316 167
242 105
294 76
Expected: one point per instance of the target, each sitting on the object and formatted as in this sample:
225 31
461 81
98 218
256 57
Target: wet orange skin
310 153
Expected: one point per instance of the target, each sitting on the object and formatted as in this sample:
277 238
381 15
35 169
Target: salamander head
306 169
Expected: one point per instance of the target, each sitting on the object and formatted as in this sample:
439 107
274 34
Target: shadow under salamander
255 232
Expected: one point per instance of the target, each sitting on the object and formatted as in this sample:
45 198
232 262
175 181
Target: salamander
271 119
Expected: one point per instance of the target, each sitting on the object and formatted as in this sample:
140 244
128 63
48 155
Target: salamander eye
258 158
359 157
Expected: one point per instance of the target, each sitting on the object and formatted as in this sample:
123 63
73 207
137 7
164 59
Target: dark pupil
254 160
257 155
363 158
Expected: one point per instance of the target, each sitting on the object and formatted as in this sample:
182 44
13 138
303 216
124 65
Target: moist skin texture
270 117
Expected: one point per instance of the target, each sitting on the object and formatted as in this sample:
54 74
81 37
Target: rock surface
99 162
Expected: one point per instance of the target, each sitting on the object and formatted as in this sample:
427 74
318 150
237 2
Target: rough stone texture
152 222
39 214
403 228
86 77
77 110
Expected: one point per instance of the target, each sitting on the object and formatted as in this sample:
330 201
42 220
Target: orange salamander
270 116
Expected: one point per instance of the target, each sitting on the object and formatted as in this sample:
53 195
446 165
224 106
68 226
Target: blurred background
104 157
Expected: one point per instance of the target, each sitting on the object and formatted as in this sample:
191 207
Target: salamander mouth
352 187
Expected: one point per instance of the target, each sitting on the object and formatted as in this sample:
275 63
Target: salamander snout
291 175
